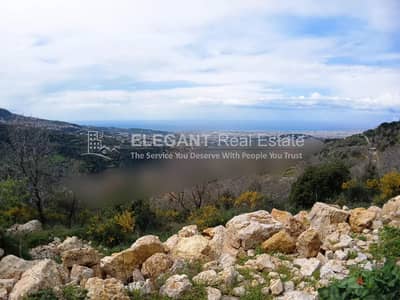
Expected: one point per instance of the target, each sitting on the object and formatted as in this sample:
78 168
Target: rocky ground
280 255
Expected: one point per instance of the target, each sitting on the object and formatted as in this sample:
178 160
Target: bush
206 216
74 293
47 294
389 244
319 183
249 199
383 283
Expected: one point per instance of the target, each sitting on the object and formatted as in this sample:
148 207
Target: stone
12 267
175 286
192 248
280 242
120 265
289 286
218 242
361 218
293 226
80 274
391 209
209 277
262 262
228 276
341 255
3 294
332 269
80 256
137 275
144 287
7 284
322 216
239 291
308 243
107 289
188 231
276 287
213 293
171 242
302 217
249 230
156 264
71 243
307 265
298 295
29 227
45 251
43 275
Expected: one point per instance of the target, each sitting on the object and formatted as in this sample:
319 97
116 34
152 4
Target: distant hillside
378 148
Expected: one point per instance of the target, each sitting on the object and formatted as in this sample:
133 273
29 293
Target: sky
325 61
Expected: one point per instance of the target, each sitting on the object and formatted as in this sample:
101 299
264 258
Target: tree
319 183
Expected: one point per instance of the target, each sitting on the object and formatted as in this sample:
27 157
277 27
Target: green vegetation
66 293
389 244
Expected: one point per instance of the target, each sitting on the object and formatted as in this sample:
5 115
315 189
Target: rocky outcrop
80 256
108 289
280 242
308 243
292 225
195 247
249 230
361 218
120 265
12 267
43 275
29 227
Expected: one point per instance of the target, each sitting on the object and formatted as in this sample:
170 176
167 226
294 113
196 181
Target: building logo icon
95 146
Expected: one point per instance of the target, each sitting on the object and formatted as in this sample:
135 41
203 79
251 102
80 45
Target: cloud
132 59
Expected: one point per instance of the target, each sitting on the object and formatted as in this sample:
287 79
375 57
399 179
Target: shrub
389 186
319 183
249 199
74 293
382 283
389 244
47 294
206 216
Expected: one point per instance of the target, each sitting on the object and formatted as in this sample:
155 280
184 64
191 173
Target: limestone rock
195 247
144 287
298 295
3 294
239 291
120 265
80 256
293 226
308 243
71 243
156 264
281 242
175 286
262 262
171 242
29 227
213 293
7 284
276 287
249 230
391 209
361 218
43 275
218 242
12 267
307 265
108 289
80 274
322 216
209 277
188 231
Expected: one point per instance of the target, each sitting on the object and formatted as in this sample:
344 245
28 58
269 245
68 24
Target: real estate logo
96 147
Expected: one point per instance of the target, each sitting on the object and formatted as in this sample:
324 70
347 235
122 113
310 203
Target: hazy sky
201 59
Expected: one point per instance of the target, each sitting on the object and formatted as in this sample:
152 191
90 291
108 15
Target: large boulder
107 289
293 226
156 265
307 265
361 218
121 265
43 275
7 284
324 218
12 267
218 242
80 274
45 251
175 286
308 243
195 247
88 257
391 211
29 227
249 230
280 242
71 243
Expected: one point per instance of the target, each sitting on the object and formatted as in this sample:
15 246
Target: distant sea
228 125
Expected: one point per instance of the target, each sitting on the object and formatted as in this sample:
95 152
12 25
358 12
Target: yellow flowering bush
206 216
249 199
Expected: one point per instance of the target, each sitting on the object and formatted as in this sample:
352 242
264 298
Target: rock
171 242
227 277
45 251
293 226
3 294
361 218
276 287
88 257
209 277
302 217
333 269
249 230
188 231
213 293
12 267
322 216
120 265
226 260
263 262
218 242
280 242
175 286
43 275
298 295
29 227
192 248
340 255
308 243
1 253
156 264
288 286
107 289
80 274
137 275
391 209
71 243
143 287
307 265
7 284
239 291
